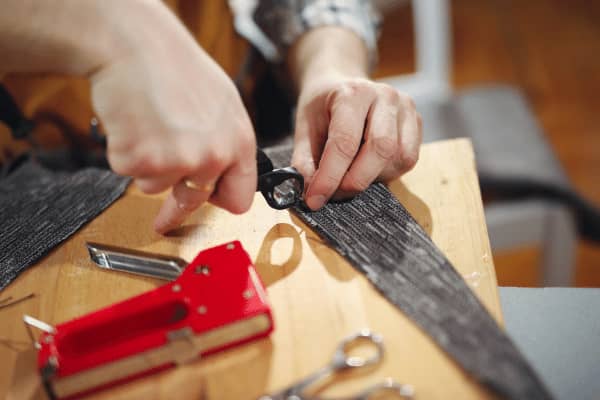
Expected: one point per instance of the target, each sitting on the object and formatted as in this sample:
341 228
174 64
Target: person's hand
174 119
351 132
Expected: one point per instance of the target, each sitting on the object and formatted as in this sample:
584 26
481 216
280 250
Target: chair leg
515 224
559 247
551 226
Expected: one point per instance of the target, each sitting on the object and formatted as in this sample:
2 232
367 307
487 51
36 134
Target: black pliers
282 187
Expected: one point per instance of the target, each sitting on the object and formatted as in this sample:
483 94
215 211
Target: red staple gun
216 302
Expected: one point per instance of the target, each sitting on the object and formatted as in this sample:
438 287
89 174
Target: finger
377 151
184 199
236 188
308 144
179 204
146 160
303 160
348 116
411 136
153 185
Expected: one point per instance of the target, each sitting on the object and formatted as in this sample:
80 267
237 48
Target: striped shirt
272 26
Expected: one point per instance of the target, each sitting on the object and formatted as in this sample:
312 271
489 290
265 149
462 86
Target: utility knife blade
136 262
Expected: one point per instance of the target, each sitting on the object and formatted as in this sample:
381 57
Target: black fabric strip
381 240
376 234
40 208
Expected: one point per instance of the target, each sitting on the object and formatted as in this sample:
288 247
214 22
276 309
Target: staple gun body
216 303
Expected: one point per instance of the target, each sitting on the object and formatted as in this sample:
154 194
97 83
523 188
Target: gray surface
507 139
558 330
509 143
536 222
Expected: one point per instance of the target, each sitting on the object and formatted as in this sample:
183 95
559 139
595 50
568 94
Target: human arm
44 37
327 46
169 112
349 131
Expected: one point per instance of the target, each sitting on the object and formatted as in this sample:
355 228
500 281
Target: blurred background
538 60
519 78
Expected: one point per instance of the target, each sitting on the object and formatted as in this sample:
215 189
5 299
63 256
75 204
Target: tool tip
96 254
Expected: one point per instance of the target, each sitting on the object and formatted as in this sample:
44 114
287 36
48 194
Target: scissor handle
343 360
389 387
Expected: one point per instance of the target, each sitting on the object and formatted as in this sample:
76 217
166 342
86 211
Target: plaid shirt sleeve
272 26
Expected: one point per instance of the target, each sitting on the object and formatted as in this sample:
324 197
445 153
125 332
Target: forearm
68 36
327 51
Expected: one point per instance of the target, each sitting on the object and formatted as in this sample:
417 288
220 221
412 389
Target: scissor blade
136 262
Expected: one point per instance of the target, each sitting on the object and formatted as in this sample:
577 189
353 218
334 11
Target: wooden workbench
316 296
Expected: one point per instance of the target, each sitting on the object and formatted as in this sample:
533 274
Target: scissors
281 187
343 361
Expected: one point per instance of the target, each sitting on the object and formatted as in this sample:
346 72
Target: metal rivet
248 293
176 288
52 360
202 310
202 269
48 339
230 246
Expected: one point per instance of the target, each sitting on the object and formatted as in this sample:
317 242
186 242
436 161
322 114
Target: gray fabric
507 140
558 331
375 233
40 208
381 240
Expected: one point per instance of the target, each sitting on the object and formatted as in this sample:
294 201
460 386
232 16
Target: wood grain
316 296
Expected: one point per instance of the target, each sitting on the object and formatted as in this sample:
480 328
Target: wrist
132 26
325 54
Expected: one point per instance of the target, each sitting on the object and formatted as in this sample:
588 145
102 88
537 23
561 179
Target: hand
351 132
175 120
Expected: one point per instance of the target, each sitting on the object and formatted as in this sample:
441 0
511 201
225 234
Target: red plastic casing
218 300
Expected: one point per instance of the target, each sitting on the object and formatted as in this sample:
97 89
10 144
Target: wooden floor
551 50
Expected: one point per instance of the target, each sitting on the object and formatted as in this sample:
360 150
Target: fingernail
316 202
160 228
164 225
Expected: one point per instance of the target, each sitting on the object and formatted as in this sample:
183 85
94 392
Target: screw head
202 310
230 246
248 293
52 360
176 288
202 269
48 339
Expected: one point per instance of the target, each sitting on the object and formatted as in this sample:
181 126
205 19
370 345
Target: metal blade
136 262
